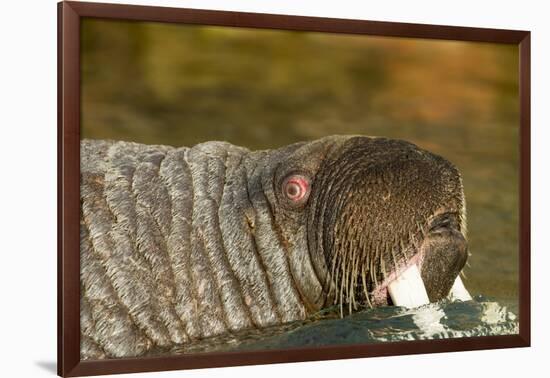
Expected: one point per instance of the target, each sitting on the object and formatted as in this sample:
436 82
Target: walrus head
188 243
382 221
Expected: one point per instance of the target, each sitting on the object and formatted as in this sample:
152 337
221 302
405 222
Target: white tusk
458 291
408 289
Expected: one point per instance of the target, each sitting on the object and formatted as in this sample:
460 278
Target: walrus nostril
444 222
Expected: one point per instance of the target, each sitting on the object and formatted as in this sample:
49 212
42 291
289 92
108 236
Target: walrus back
168 249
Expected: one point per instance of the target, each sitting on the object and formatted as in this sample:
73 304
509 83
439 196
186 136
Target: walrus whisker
339 278
351 283
356 275
403 249
365 288
336 280
332 275
347 272
371 270
393 257
341 301
354 278
383 265
376 264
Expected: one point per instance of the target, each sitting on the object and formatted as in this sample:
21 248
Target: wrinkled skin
182 244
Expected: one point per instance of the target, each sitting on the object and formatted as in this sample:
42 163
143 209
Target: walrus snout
393 223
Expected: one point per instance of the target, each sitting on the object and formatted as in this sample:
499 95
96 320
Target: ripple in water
445 319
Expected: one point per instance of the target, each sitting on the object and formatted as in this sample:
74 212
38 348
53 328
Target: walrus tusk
408 289
458 291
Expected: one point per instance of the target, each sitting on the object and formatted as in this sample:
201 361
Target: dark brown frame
69 16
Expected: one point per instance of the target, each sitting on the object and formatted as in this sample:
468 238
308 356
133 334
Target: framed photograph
240 188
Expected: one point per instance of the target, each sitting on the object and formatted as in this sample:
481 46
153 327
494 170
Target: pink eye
296 188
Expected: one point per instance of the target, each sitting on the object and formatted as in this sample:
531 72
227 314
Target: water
478 317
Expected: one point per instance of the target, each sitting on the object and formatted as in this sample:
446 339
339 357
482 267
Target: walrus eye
296 188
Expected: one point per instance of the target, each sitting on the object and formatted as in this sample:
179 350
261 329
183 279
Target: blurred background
180 85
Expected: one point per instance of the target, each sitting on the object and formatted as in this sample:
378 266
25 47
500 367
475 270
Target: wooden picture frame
69 19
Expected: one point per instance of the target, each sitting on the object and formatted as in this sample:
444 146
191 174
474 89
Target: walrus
182 244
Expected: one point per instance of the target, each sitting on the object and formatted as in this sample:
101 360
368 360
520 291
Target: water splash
445 319
454 319
478 317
